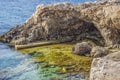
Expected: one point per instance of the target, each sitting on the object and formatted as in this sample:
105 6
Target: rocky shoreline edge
98 22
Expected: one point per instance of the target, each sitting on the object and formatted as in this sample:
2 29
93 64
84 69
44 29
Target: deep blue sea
15 12
14 65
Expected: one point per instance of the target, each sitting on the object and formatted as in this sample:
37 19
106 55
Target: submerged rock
82 48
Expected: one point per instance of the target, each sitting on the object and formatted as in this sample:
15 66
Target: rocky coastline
97 23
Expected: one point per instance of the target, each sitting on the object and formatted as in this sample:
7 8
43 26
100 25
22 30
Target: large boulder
82 48
106 68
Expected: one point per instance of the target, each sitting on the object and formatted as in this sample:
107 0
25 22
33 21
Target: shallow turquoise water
15 66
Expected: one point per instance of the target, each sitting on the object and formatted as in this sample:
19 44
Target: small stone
82 48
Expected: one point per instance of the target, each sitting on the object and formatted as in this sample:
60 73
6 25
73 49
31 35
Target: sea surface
14 65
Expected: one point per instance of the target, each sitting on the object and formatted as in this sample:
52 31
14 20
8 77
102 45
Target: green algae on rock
59 55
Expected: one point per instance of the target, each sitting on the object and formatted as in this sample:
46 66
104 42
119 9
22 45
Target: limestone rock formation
82 48
106 68
107 19
98 21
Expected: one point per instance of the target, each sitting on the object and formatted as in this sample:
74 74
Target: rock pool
16 66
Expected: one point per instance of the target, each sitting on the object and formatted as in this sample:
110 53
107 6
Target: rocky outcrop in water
82 48
98 21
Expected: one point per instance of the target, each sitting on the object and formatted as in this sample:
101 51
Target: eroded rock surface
106 68
98 21
82 48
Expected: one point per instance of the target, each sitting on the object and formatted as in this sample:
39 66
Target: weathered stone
20 41
108 24
99 51
114 56
82 48
106 68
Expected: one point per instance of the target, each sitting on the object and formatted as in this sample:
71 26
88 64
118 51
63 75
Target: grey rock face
82 48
